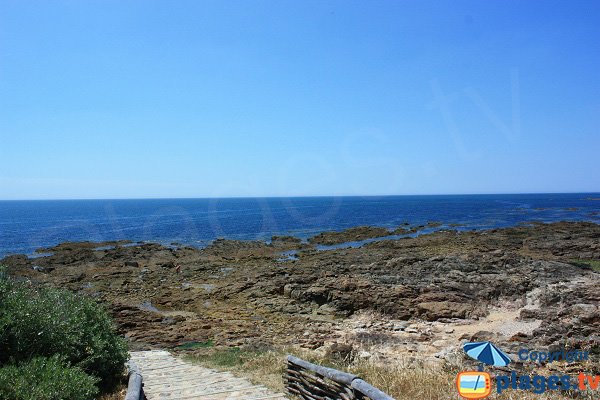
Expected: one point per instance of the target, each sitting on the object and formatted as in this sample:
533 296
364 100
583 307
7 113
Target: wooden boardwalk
169 378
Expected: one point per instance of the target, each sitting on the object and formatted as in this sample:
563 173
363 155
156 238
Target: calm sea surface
28 225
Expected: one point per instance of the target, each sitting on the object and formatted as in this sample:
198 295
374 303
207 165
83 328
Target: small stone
132 264
401 326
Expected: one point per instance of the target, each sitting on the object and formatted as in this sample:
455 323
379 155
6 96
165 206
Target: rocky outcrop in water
349 235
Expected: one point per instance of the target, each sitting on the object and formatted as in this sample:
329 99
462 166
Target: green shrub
594 265
224 357
46 379
41 322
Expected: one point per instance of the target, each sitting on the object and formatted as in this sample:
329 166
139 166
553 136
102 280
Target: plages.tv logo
478 384
474 385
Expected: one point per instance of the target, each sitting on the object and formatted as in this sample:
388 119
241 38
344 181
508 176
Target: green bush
41 322
46 379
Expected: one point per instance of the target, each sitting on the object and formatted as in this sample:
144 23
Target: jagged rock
349 235
340 351
134 264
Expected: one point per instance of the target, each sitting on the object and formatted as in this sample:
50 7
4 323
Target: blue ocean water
28 225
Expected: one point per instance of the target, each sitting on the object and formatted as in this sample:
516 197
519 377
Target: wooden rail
135 390
314 382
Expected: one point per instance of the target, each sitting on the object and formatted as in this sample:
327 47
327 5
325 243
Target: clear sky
113 99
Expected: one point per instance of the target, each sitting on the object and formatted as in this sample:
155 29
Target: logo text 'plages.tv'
474 385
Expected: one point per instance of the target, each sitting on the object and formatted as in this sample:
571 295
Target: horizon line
297 196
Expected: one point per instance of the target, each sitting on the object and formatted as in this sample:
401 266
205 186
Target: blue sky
117 99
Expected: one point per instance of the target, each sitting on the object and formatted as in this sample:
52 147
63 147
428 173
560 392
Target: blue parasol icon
486 353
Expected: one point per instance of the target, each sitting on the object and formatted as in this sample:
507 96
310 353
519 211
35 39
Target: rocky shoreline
531 286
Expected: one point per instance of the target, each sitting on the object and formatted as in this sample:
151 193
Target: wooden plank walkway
169 378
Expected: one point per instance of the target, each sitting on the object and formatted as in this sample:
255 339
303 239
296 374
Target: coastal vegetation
55 344
589 264
46 378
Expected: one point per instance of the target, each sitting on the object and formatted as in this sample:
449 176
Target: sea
26 226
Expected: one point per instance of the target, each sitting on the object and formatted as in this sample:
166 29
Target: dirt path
168 377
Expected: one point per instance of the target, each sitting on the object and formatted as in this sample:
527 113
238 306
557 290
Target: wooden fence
314 382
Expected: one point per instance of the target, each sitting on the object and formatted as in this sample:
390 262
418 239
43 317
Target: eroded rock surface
411 295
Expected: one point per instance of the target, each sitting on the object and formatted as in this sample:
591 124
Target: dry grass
401 380
436 383
118 394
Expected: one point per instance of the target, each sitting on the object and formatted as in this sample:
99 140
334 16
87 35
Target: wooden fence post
135 389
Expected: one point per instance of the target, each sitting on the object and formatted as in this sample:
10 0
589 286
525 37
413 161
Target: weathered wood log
320 390
312 385
330 373
317 385
317 378
372 392
134 388
349 395
293 390
305 394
